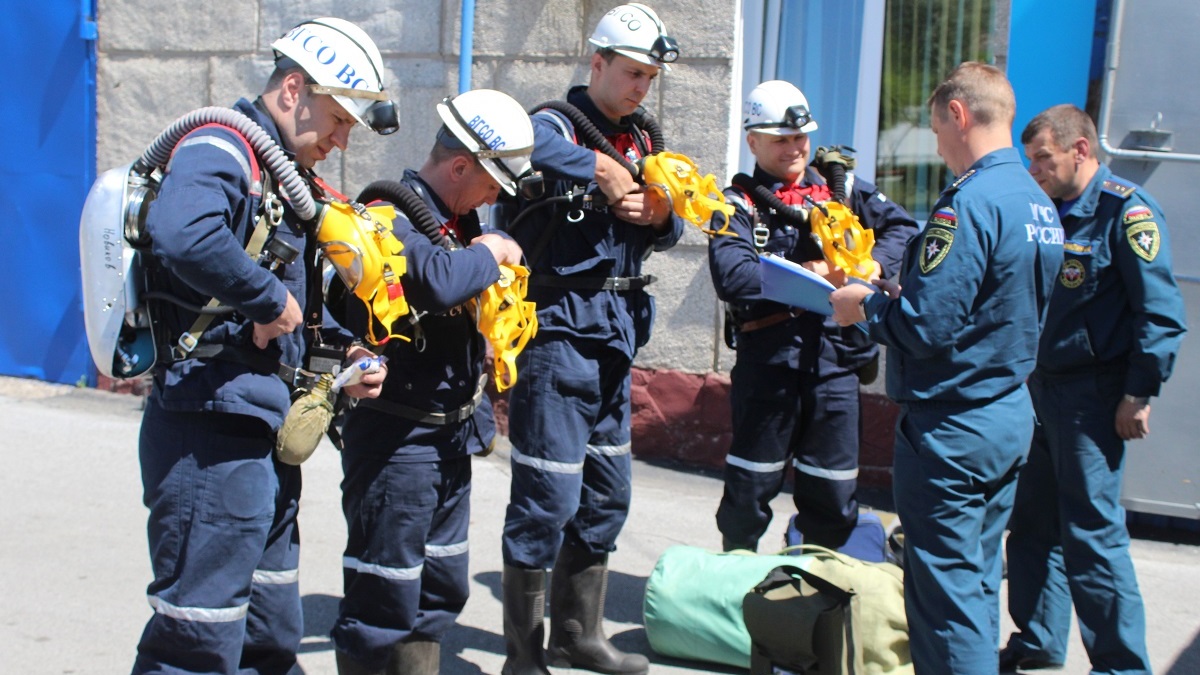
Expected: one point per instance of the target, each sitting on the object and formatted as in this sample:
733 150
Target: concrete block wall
157 62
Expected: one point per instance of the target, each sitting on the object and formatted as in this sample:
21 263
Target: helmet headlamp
796 116
665 49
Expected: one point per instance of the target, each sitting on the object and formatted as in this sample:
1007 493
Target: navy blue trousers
808 419
569 423
1068 543
224 546
405 565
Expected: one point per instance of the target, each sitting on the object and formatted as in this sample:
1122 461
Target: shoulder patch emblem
1072 273
1118 188
1144 239
1077 248
1137 214
934 248
944 217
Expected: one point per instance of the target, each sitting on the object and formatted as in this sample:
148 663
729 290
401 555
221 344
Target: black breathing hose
764 198
536 206
590 133
836 172
642 119
410 203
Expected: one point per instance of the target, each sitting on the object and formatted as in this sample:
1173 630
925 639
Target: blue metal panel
819 51
46 169
1049 55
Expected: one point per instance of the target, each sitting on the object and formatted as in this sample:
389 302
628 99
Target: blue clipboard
790 284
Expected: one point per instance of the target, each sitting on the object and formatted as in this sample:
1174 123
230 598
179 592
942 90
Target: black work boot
415 657
577 589
348 666
524 630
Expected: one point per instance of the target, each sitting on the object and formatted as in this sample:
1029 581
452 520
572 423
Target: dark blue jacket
733 262
1116 302
976 285
598 245
439 370
200 223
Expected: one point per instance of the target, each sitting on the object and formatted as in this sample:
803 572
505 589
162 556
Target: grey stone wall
158 61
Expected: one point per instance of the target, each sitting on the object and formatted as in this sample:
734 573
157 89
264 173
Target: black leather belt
769 320
455 416
593 283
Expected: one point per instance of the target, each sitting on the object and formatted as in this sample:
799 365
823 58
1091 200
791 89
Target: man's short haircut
982 89
1066 122
284 66
607 54
446 147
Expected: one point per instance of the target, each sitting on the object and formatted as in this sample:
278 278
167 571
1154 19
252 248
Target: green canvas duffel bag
693 604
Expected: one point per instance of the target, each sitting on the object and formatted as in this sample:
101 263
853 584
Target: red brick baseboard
685 417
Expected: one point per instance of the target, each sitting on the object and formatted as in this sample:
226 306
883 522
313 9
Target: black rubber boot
524 629
578 586
415 657
348 666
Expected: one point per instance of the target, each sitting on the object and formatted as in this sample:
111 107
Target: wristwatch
1138 400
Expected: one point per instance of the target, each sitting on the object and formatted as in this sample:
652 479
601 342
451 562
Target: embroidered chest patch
934 247
1072 273
1144 239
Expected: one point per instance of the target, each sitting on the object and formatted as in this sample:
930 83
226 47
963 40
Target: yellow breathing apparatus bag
358 241
507 321
844 241
691 197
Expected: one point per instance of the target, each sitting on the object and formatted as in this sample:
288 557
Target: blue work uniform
569 414
795 384
1115 326
407 457
962 339
224 544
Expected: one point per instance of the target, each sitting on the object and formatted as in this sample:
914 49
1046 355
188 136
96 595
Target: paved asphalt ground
74 564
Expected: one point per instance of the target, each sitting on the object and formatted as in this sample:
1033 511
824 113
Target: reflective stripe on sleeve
234 151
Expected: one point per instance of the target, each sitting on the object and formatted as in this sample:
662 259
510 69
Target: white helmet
497 130
777 108
344 63
634 30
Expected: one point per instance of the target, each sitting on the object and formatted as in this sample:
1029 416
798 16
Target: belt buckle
187 343
621 283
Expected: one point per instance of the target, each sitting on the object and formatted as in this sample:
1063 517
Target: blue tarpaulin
48 165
